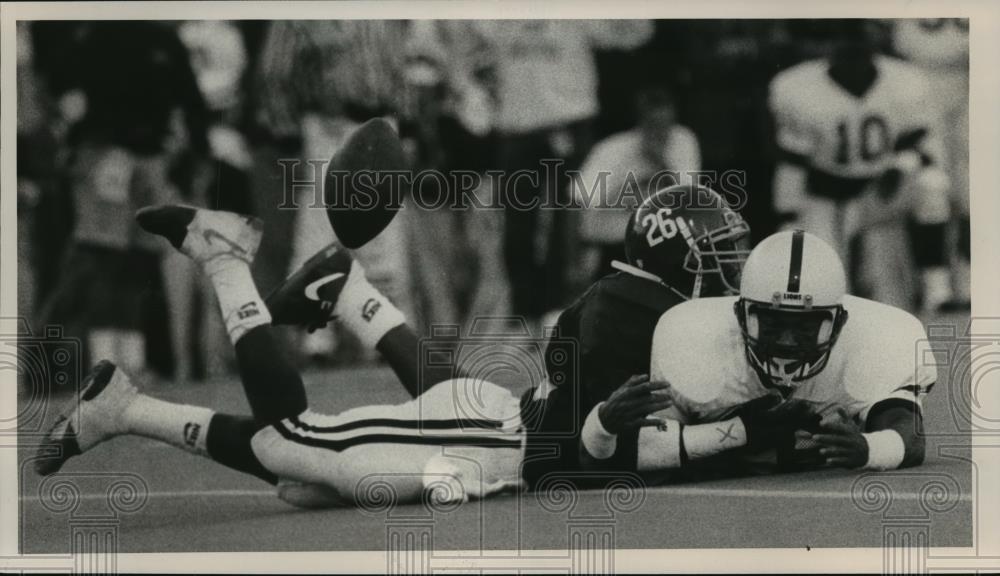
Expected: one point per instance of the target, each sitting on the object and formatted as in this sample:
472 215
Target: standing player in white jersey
792 373
940 47
860 162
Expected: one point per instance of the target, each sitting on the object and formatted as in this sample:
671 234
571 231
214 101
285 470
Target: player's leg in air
315 460
467 430
456 426
224 245
330 286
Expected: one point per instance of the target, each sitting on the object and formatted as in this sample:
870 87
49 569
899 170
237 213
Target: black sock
228 443
273 386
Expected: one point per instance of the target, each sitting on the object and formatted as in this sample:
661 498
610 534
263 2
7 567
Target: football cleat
203 234
94 417
308 297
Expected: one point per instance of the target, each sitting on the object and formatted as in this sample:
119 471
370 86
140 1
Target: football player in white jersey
459 437
860 159
792 373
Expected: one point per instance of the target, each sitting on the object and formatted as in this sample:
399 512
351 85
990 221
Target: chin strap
639 272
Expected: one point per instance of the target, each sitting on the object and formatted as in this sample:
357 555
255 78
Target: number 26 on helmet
688 238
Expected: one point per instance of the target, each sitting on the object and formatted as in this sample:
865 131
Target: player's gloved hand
798 414
770 421
631 404
841 443
803 452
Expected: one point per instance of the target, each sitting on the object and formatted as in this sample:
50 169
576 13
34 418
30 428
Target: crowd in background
116 115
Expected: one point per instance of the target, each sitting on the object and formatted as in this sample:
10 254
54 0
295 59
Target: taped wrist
706 440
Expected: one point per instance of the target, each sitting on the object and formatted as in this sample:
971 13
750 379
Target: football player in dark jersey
683 242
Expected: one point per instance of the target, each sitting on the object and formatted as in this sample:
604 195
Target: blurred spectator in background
656 153
458 251
114 115
219 61
547 100
940 46
722 96
861 162
131 87
319 80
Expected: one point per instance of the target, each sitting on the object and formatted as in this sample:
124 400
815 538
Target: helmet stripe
795 267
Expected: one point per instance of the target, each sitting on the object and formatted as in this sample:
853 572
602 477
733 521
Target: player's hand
631 404
796 414
768 420
887 185
841 443
803 452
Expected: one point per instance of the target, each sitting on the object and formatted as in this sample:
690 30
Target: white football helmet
791 306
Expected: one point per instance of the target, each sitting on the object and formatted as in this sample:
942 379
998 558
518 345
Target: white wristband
660 446
598 442
885 450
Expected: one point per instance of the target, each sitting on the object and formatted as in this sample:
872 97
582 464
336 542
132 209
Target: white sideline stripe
174 494
686 491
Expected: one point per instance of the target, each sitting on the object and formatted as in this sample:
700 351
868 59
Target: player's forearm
664 447
673 444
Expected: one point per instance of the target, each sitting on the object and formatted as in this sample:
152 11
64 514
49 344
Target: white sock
180 425
365 311
241 305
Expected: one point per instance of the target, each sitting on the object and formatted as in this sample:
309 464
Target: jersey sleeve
903 368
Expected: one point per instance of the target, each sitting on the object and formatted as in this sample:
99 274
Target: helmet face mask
790 309
789 346
716 258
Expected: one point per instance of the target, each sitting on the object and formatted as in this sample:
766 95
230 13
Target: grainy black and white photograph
497 290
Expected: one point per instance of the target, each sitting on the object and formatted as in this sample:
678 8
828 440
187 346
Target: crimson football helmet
790 309
688 238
